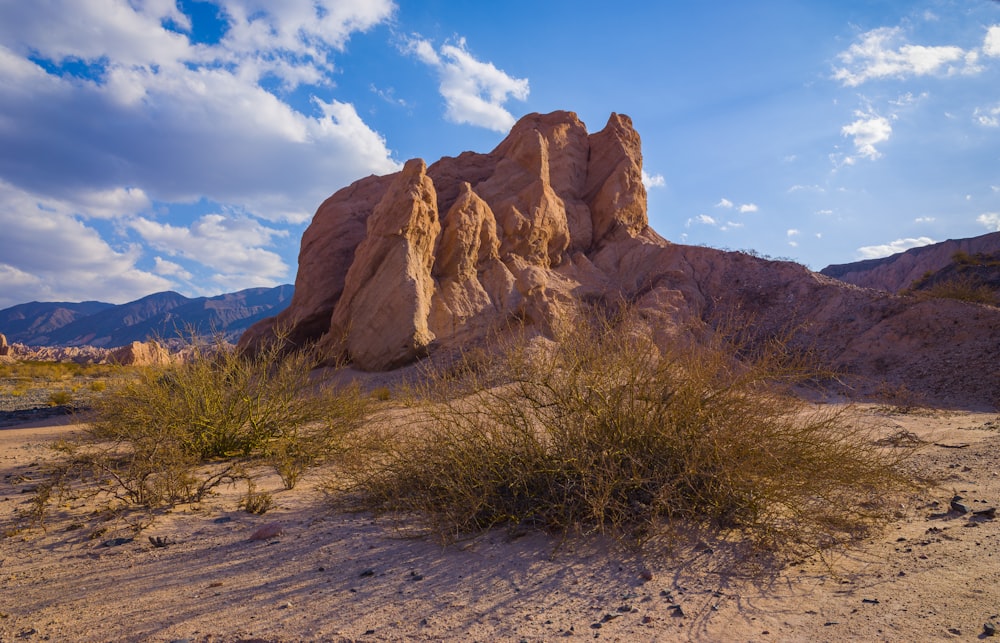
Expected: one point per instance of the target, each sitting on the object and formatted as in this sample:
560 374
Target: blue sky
148 145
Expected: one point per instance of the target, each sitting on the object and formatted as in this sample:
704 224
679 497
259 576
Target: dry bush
962 288
600 431
163 435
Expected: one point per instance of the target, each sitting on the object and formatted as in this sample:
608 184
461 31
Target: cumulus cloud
867 131
701 219
882 53
991 44
924 220
791 235
234 246
653 181
744 208
130 114
47 253
893 247
991 220
474 91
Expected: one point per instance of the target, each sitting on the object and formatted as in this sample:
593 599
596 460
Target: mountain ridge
163 315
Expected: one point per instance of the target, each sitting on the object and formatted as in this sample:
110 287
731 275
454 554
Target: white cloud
791 234
724 203
825 212
924 220
868 130
991 44
231 245
474 91
653 181
893 247
881 53
987 116
991 220
748 207
254 149
701 219
170 269
48 254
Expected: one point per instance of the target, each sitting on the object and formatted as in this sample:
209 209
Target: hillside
918 266
164 315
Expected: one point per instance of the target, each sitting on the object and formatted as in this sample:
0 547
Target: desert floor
337 576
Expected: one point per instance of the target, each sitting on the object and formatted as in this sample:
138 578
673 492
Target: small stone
115 542
367 572
160 541
870 601
989 512
677 610
959 506
955 631
989 628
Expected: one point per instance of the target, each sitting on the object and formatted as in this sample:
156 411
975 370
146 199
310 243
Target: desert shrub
170 434
59 398
963 288
601 431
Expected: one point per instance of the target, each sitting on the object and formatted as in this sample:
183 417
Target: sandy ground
329 576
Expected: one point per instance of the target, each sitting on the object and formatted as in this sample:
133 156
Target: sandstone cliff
434 258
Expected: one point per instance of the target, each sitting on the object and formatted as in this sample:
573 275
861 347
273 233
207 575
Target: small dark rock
160 541
221 520
367 572
870 601
369 632
989 629
414 576
990 512
677 610
959 506
115 542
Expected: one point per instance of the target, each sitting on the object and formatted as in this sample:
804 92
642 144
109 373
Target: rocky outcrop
4 346
902 270
435 258
437 255
140 354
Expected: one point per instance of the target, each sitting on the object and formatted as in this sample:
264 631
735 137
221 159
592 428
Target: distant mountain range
165 315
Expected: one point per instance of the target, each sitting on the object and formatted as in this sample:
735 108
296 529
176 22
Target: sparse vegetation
60 398
164 435
601 432
962 288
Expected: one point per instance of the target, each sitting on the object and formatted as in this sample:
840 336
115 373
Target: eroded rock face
435 258
391 265
381 316
4 346
140 354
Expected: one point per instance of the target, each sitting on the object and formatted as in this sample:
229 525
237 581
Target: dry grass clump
962 288
165 435
599 431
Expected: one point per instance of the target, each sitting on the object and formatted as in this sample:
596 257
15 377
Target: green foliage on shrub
162 435
600 431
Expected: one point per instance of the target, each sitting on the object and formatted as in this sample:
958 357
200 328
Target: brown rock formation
4 346
433 258
140 354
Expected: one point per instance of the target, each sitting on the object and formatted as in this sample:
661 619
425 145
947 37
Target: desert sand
339 576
